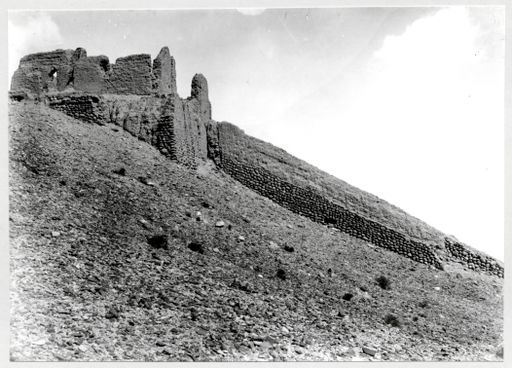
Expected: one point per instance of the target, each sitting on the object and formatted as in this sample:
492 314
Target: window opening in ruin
53 73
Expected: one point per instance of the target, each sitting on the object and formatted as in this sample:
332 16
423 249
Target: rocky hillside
118 253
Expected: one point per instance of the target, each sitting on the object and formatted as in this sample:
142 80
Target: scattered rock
299 350
121 171
265 345
437 288
499 352
160 343
242 285
55 234
241 238
273 245
112 313
285 330
369 351
392 320
159 241
219 223
289 248
146 181
196 247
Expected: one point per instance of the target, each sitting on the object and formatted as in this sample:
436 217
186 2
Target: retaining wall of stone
472 259
232 151
309 203
81 107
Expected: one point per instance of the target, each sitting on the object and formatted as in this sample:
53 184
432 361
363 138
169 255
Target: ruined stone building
140 95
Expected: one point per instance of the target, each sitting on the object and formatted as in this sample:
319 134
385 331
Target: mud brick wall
308 202
81 107
90 74
170 123
472 259
131 75
66 70
164 70
45 71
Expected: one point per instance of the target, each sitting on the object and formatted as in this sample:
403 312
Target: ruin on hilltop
140 95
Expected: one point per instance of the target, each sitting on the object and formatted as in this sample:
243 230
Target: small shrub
347 297
383 282
392 320
121 171
281 274
158 241
196 247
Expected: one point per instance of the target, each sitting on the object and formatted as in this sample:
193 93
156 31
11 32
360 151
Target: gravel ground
116 253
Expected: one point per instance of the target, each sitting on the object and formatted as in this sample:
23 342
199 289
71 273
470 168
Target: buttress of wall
173 125
169 123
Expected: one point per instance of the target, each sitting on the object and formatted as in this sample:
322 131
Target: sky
405 103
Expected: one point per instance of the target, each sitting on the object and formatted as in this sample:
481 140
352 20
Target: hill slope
265 284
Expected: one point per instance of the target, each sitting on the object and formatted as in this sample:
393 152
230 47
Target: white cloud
434 111
251 11
420 125
30 32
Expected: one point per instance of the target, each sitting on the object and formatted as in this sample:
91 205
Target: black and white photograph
256 184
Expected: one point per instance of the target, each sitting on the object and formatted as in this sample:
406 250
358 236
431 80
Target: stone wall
307 201
81 107
472 259
232 151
